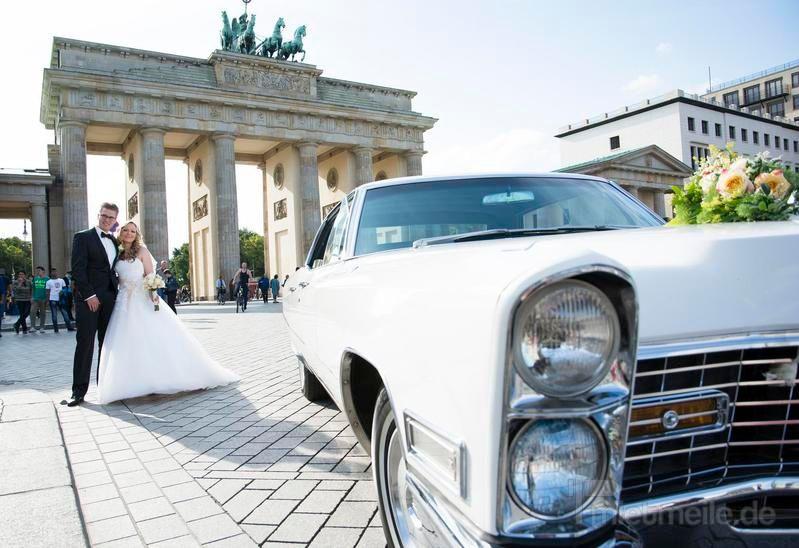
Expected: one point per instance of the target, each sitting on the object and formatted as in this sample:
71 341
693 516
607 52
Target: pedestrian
5 287
22 297
39 300
263 285
285 281
171 290
275 283
55 286
243 284
66 296
161 271
220 290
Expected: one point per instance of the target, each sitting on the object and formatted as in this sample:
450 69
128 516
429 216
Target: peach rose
776 182
733 183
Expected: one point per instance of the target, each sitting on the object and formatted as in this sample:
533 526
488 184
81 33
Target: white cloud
644 83
664 48
512 150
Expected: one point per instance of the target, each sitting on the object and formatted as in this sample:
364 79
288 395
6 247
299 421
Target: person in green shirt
39 302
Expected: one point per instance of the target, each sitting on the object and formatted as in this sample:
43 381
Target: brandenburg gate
314 138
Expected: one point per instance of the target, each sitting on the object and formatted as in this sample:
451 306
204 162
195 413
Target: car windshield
396 216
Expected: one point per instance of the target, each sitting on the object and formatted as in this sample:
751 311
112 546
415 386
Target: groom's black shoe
74 402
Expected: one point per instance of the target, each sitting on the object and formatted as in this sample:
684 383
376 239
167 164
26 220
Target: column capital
71 123
362 148
157 130
223 136
306 144
414 153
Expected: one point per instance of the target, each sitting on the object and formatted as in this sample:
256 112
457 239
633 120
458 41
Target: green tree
252 250
180 264
16 254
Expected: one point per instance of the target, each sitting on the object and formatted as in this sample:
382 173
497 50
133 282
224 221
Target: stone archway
213 113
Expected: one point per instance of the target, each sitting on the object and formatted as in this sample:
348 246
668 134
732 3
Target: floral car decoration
728 188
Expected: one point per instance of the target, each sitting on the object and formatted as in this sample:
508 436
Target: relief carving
281 209
133 205
266 80
200 208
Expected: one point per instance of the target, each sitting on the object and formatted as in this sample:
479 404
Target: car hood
691 282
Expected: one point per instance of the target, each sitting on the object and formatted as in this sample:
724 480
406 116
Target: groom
94 253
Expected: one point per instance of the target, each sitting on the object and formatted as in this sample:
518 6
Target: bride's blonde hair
135 246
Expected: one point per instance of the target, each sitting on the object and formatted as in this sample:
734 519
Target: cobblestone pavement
250 464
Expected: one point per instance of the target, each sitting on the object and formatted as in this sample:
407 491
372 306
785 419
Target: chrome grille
762 437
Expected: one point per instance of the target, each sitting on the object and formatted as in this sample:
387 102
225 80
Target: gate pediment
263 75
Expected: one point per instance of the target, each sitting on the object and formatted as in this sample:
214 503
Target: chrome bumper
437 524
786 485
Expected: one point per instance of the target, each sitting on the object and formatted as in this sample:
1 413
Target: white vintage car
534 359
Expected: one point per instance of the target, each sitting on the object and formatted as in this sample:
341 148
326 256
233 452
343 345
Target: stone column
363 165
659 199
39 236
76 203
265 184
152 194
227 214
413 163
309 184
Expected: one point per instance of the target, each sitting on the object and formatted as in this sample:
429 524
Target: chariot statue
239 36
271 46
293 47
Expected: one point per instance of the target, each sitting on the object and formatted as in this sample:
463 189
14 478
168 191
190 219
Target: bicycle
185 295
240 300
220 296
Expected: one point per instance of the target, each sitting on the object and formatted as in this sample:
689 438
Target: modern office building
774 91
682 126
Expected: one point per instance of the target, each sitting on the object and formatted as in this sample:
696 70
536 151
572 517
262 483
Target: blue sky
501 77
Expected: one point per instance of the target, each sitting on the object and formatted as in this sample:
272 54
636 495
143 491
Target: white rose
740 163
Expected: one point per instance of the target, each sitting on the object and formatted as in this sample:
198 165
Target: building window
731 99
698 153
766 139
755 112
785 145
776 109
773 88
744 135
796 146
751 94
615 142
704 127
795 80
732 132
718 130
755 137
777 141
691 124
796 102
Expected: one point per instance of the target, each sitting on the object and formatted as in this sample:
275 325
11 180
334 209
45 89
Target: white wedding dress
148 352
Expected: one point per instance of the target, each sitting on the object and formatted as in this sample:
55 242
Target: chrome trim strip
675 452
787 485
712 366
723 385
718 344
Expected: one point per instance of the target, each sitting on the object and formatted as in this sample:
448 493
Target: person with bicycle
220 290
242 284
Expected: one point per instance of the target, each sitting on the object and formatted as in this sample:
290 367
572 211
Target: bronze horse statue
247 39
293 47
271 45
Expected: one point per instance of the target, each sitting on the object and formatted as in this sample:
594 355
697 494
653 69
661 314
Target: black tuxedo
93 275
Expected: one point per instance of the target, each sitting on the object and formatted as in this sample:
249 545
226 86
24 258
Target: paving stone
214 528
141 492
183 491
352 514
258 532
128 479
124 466
110 529
198 508
271 512
239 541
266 484
174 477
321 502
336 537
294 489
98 493
186 541
244 502
161 465
127 542
103 509
226 488
363 490
372 538
149 509
334 485
298 528
162 528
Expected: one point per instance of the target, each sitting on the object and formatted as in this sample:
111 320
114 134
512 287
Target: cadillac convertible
535 360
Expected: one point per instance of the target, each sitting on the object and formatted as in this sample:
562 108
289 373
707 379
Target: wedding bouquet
152 283
727 188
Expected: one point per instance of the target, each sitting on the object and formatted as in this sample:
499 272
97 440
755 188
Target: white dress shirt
110 251
108 245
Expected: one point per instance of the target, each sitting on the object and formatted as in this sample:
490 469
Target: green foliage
252 250
687 204
15 254
180 264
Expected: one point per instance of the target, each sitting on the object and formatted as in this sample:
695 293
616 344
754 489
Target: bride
147 351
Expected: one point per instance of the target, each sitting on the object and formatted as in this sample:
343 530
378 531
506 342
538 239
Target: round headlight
566 337
556 466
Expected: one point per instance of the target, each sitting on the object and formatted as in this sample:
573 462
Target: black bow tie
106 235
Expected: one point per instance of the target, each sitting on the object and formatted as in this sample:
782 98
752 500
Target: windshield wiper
497 233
